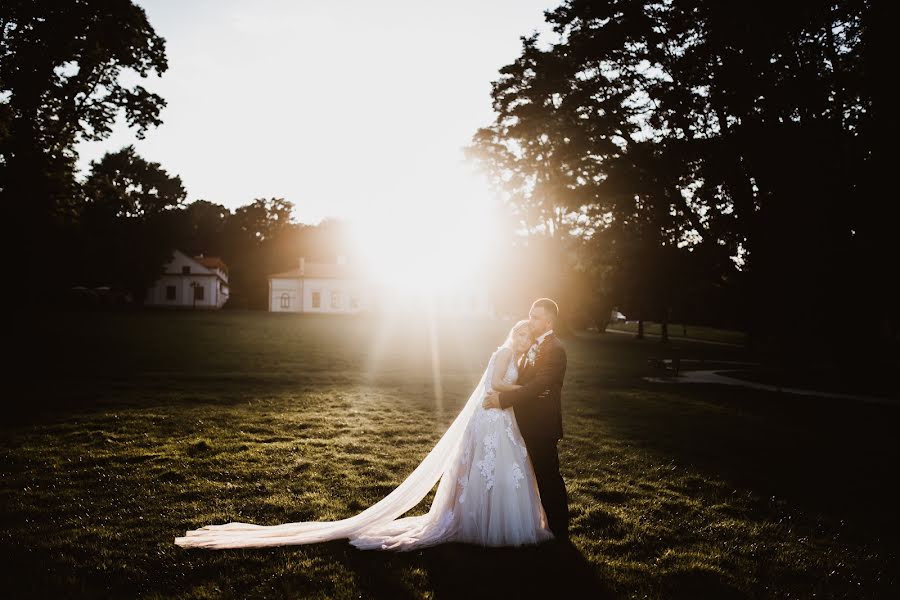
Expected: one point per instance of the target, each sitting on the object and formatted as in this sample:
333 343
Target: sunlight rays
435 359
424 253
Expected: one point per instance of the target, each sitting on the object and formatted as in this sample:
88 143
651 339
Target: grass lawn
694 332
146 425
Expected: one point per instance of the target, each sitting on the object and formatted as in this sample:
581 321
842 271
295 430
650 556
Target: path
677 338
713 376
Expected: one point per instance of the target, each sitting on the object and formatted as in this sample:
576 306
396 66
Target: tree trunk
665 327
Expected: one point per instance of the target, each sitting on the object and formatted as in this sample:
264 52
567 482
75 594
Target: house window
335 299
185 270
316 300
198 292
170 292
354 301
285 300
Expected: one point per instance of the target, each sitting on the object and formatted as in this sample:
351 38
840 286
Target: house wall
181 260
471 302
222 294
335 295
343 289
213 294
282 287
213 281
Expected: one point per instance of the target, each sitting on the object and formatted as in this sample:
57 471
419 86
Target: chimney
302 266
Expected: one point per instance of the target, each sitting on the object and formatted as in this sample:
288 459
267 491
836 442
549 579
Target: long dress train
487 495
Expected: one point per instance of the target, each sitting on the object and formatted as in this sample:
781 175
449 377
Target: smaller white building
319 288
339 288
191 282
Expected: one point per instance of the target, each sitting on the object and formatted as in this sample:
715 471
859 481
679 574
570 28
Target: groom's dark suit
538 409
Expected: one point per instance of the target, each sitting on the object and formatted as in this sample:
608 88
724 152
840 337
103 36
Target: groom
537 405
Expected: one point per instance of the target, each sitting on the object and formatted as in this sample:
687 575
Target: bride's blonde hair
510 338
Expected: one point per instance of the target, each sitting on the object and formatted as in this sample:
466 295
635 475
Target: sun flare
423 245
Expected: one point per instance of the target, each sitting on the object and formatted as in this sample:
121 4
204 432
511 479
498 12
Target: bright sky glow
346 108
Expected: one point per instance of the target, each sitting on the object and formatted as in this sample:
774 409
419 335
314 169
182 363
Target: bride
488 494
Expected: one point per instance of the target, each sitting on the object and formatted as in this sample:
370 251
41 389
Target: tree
60 68
127 221
253 233
124 185
261 220
719 142
204 228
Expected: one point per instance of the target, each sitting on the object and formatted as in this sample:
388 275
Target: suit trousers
545 461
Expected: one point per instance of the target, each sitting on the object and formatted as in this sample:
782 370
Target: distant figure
497 465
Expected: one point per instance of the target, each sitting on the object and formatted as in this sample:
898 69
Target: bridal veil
379 526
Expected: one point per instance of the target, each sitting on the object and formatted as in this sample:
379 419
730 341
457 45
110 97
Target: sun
424 245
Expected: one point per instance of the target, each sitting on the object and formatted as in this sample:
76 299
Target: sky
345 107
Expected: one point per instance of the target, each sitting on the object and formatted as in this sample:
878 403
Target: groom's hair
549 307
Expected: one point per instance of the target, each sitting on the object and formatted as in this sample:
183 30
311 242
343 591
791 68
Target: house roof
319 271
212 262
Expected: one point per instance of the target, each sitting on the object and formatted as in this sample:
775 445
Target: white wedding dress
487 494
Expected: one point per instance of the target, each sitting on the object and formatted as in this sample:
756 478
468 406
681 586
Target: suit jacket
538 403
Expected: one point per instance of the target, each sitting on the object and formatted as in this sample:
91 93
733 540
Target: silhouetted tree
60 67
251 232
126 220
203 228
716 141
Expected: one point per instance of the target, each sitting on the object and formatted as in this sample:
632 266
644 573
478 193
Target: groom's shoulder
557 344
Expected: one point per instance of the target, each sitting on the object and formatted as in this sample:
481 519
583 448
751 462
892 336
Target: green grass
693 332
150 424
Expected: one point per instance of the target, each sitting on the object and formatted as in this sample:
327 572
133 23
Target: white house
341 289
319 288
191 282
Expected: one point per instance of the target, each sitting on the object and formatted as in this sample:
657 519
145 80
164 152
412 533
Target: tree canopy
683 142
64 78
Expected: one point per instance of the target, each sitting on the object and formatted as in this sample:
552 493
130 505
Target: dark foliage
699 151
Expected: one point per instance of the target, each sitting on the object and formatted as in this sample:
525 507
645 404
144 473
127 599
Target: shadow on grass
824 456
551 570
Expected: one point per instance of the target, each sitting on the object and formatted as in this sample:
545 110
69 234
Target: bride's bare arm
501 364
